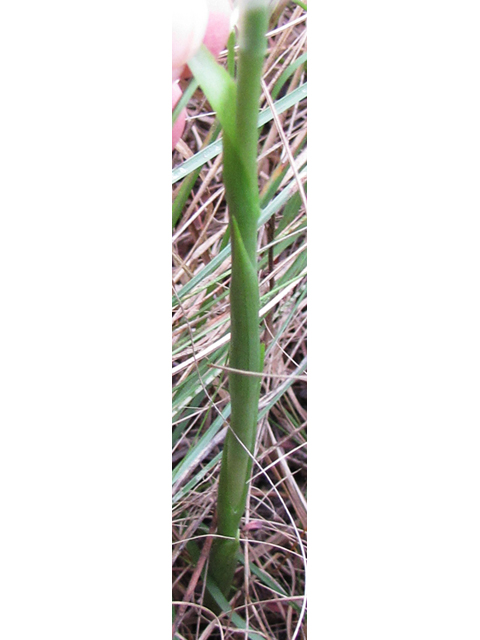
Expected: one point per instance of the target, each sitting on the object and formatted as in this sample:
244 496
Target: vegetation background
270 602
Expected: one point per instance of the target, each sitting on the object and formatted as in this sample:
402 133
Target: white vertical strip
394 346
84 396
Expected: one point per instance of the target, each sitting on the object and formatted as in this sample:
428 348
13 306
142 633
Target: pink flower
194 22
189 23
218 28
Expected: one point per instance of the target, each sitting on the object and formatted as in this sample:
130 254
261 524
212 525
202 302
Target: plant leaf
218 86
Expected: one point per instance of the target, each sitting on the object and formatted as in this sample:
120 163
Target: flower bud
189 23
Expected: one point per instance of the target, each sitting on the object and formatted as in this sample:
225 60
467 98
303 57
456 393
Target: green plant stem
241 186
236 104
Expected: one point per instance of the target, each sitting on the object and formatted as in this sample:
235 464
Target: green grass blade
219 87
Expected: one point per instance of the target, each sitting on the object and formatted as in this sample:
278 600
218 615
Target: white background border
394 340
85 320
393 347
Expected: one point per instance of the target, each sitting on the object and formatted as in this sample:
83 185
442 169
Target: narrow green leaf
182 103
223 604
218 86
289 71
